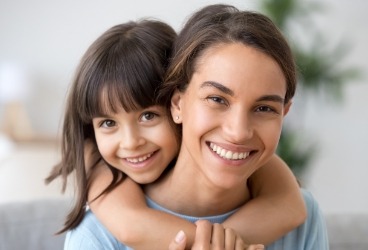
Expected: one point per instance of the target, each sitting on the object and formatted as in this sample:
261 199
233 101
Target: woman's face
231 113
140 143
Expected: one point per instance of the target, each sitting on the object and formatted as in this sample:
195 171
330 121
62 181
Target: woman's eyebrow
218 86
226 90
272 98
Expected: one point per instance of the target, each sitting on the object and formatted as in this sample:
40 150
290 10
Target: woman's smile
232 113
228 154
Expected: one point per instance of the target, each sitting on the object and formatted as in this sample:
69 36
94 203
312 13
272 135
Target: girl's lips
139 158
141 162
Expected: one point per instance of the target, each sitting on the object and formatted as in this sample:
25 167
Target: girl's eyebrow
218 86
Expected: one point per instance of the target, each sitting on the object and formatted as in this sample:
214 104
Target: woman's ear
287 107
176 107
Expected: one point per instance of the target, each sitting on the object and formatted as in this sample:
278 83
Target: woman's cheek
271 135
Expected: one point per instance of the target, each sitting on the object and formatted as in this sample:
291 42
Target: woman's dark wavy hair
123 68
222 24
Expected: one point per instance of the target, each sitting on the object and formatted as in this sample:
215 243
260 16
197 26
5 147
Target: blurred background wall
42 41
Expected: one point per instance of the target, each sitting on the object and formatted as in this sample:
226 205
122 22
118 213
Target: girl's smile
138 159
140 143
142 163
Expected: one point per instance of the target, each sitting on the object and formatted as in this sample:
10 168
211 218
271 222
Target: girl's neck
186 190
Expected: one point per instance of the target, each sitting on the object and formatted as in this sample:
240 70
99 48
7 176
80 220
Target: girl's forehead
117 96
110 102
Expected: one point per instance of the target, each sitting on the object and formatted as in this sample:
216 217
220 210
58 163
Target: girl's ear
176 104
287 107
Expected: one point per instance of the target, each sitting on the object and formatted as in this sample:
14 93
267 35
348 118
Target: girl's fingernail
180 237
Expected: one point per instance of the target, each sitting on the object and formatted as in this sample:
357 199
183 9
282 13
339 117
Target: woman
231 82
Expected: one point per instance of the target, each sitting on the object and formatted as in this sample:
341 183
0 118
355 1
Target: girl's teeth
140 159
223 152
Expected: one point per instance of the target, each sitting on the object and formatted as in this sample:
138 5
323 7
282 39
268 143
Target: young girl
112 104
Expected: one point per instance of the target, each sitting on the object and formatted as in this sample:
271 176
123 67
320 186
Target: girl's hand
214 236
179 242
255 247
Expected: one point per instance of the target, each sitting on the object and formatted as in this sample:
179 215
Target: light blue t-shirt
311 235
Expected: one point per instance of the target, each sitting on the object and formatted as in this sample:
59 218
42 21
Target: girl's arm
276 208
125 214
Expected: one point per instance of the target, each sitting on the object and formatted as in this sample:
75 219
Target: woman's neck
186 190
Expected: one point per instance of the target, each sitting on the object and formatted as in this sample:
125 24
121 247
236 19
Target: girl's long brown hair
122 68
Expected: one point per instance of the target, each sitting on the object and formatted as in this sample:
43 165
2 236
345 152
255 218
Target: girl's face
139 143
231 113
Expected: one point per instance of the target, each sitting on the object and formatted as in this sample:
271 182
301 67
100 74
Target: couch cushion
32 225
347 231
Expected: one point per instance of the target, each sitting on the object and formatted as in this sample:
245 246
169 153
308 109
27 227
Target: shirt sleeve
316 237
76 240
92 235
311 235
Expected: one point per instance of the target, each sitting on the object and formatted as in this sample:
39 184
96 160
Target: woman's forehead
240 67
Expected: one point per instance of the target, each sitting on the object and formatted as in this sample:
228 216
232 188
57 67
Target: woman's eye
108 124
216 99
266 109
147 116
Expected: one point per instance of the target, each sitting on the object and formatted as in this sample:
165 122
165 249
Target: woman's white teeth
227 154
140 159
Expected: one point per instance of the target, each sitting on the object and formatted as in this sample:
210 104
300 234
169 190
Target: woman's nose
238 127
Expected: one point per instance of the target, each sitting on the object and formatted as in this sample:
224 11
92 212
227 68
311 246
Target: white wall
47 38
339 174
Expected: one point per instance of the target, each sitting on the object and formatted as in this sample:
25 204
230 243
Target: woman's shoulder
314 227
315 214
310 201
312 234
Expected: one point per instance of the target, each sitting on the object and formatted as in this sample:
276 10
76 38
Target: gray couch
31 225
348 231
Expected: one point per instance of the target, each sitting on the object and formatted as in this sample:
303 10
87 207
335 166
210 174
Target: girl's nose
131 138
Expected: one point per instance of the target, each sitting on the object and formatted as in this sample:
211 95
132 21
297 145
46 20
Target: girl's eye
147 116
108 124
